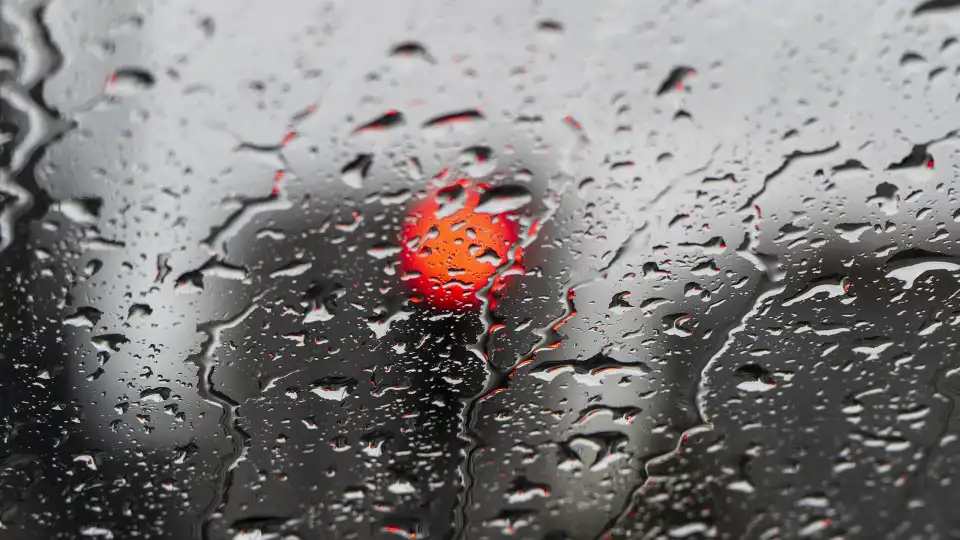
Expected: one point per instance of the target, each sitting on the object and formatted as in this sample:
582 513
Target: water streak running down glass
479 270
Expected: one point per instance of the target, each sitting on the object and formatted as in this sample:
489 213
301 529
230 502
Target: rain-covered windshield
462 270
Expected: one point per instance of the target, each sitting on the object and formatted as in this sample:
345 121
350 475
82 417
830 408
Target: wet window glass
575 270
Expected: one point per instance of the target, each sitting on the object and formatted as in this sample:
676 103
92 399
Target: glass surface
461 270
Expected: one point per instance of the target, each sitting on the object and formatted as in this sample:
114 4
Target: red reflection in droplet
449 250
